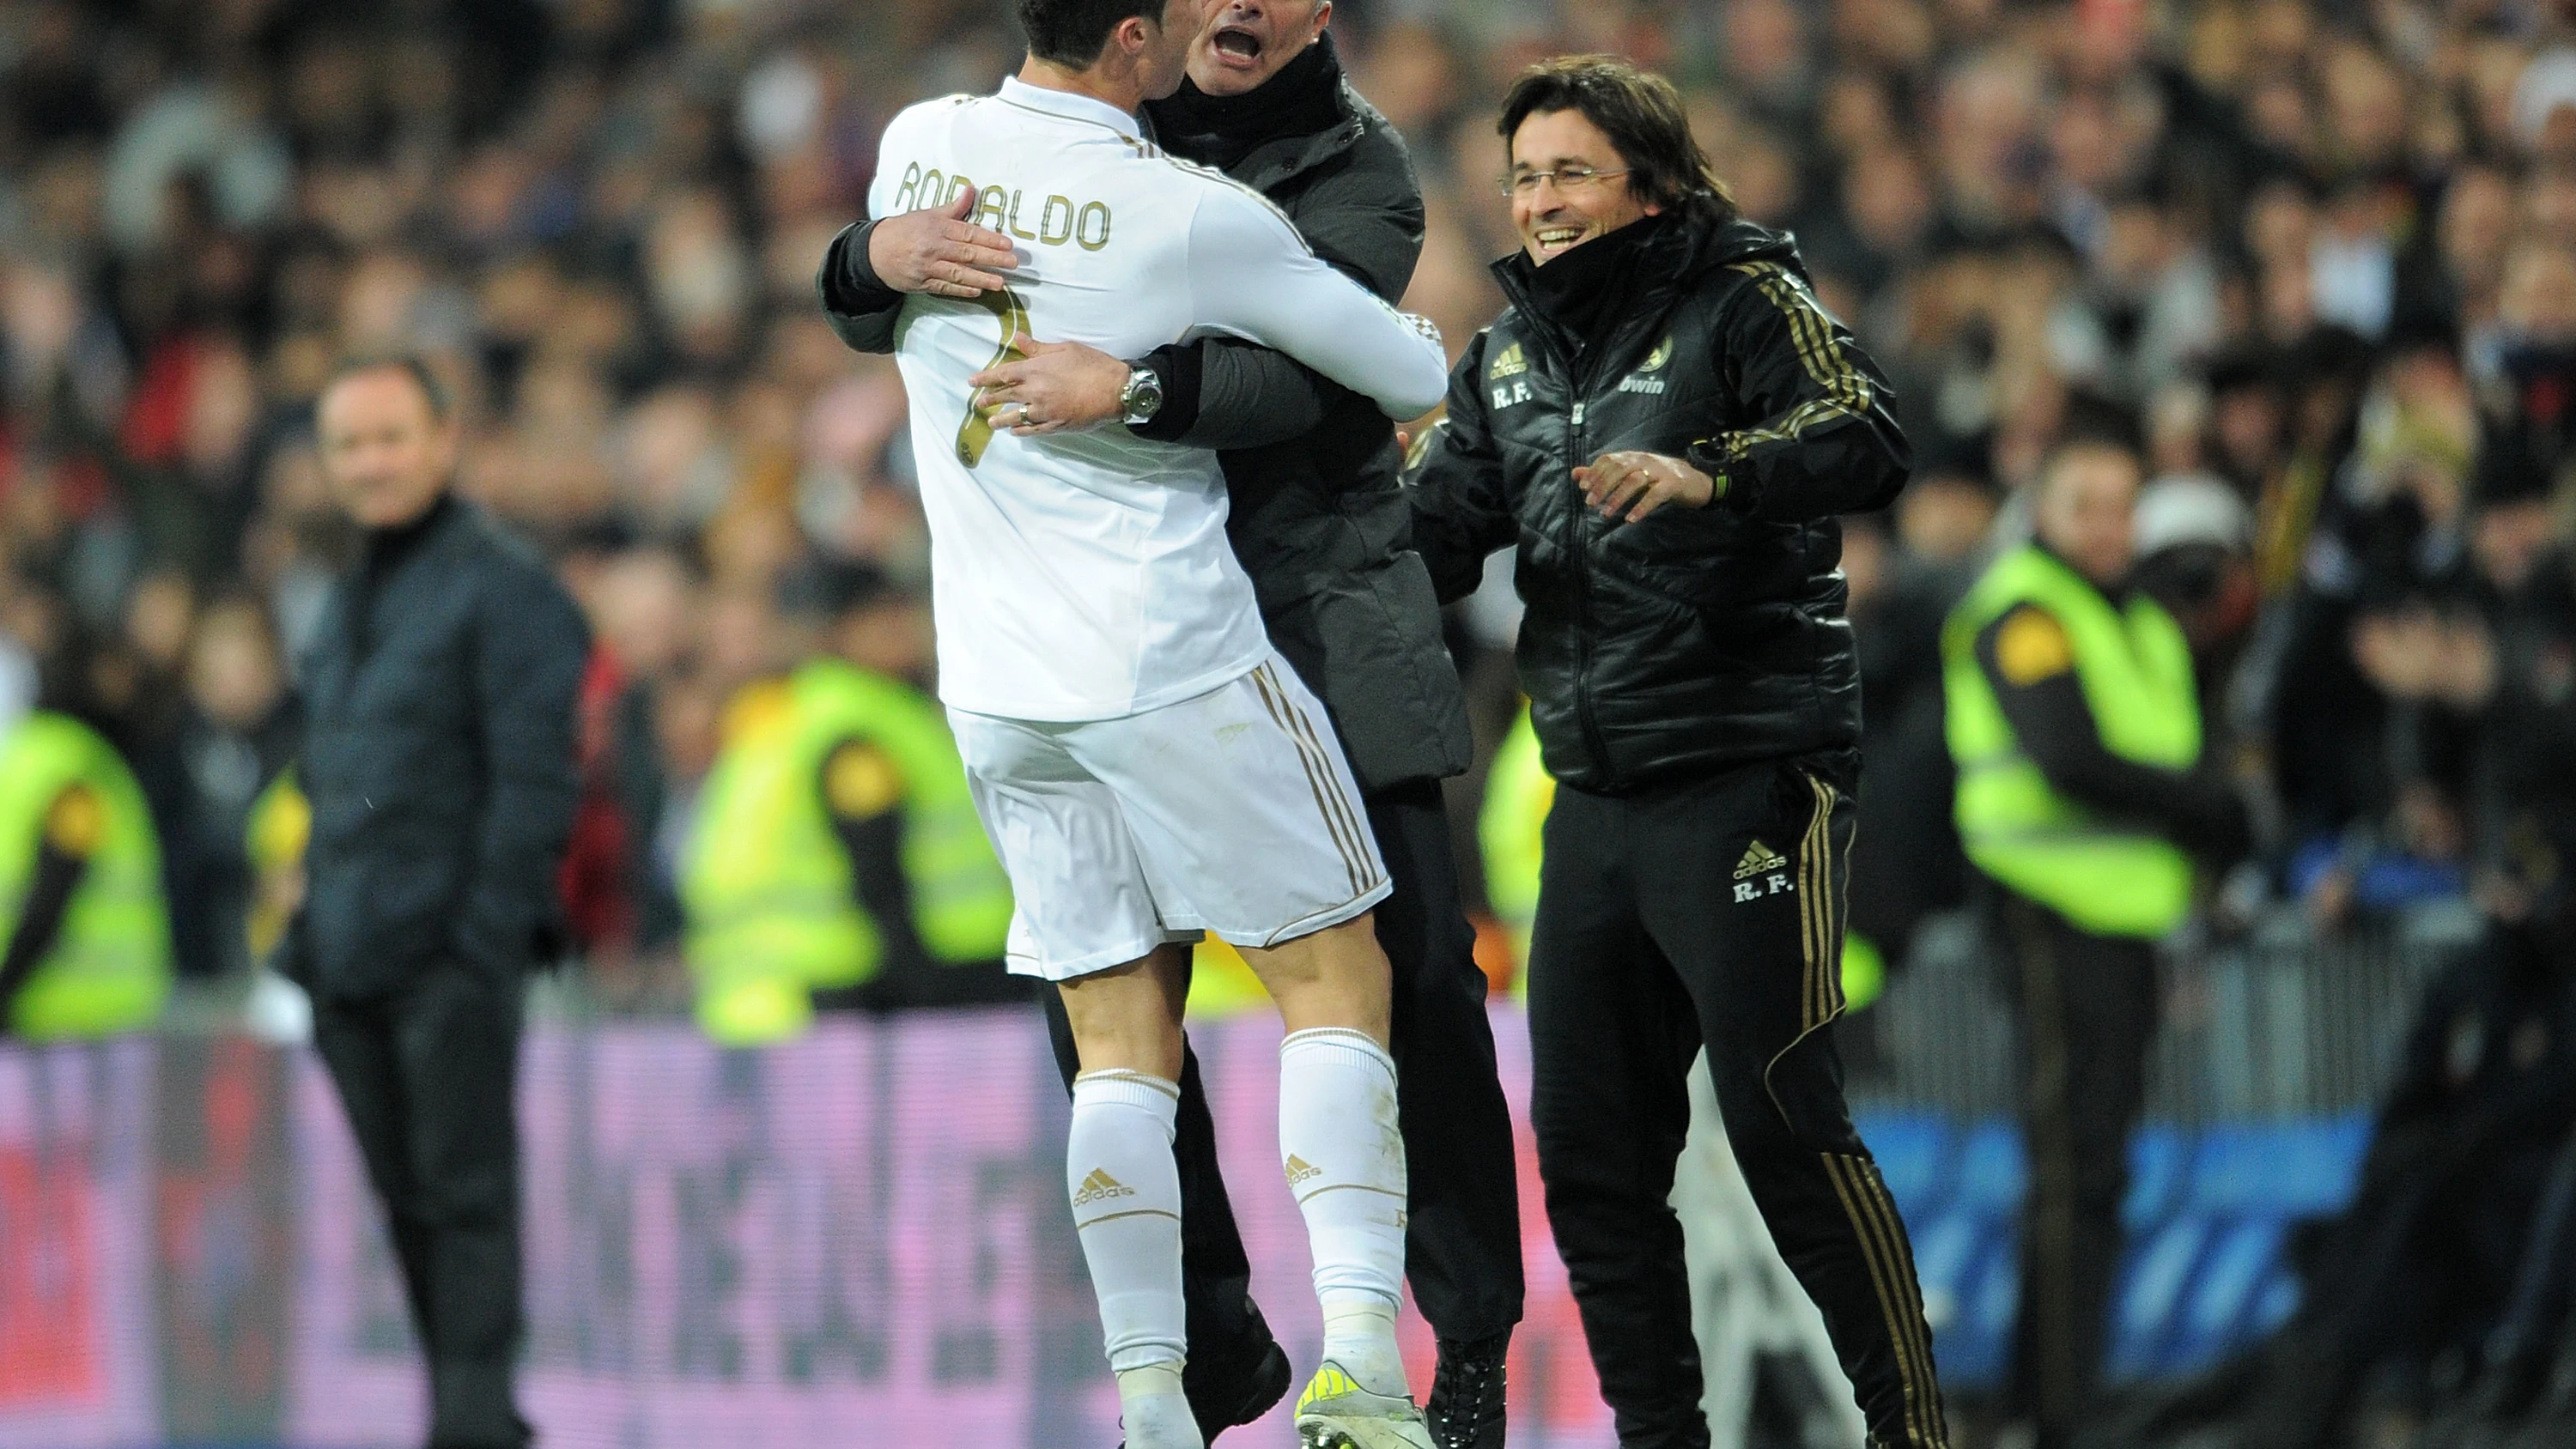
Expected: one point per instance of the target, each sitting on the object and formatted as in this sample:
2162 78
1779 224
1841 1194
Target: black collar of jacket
1656 269
388 548
1275 160
388 551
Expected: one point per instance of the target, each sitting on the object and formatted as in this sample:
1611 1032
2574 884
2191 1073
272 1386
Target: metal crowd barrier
2280 1022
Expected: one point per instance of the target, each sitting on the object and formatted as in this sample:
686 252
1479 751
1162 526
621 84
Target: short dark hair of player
432 390
1639 111
1072 32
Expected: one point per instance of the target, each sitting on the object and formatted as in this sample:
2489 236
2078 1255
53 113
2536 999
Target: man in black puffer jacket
1666 424
1320 524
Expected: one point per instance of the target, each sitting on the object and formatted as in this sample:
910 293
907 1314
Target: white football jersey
1084 576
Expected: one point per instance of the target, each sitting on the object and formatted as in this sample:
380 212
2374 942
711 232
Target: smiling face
1247 41
1553 217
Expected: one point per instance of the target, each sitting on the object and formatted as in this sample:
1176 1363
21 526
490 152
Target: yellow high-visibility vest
767 888
2135 669
110 967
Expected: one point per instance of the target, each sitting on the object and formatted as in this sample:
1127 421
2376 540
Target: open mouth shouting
1236 47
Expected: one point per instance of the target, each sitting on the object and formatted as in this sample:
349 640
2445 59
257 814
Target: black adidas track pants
1710 912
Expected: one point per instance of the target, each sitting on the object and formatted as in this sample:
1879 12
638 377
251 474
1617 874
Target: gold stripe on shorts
1315 778
1323 757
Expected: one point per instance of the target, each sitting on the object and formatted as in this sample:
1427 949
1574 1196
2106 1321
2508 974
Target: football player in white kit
1147 767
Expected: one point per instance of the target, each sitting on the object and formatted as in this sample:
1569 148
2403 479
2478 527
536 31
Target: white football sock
1345 1162
1152 1410
1126 1195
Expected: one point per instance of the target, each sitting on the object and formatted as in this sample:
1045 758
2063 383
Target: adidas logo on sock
1299 1169
1098 1187
1757 859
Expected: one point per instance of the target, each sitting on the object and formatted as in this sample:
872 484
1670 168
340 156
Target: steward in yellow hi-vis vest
836 858
2084 795
2103 869
81 902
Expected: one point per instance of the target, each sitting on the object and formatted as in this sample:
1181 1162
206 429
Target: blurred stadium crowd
2318 260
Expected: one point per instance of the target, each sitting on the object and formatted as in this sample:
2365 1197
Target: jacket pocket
414 883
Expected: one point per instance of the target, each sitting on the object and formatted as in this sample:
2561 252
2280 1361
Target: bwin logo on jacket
1640 380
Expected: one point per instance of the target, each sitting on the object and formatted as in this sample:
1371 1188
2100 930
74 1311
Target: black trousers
2086 1010
428 1073
1710 913
1462 1249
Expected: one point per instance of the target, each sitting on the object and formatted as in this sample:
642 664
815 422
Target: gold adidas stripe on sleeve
1847 389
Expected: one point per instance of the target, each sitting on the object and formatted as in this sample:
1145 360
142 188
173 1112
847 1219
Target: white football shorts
1232 812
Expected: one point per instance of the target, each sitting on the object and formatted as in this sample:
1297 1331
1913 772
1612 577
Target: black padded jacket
1693 641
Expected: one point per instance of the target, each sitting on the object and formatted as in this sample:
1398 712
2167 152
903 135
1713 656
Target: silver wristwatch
1142 398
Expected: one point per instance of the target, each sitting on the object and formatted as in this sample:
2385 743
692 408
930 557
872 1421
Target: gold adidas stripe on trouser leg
1880 1233
1876 1227
1819 917
1820 989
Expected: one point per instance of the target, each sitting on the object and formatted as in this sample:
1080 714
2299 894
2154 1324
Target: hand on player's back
1052 387
937 250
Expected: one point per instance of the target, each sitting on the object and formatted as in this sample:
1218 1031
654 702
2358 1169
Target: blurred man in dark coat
438 755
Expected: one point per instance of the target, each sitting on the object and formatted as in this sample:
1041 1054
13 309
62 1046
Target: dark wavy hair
1642 115
1071 32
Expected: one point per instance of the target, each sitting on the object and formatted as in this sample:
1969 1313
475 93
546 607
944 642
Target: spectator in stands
240 733
2084 798
2424 1262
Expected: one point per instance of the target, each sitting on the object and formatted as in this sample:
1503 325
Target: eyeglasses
1567 179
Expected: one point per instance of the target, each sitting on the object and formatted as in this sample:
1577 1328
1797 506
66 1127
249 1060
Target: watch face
1144 396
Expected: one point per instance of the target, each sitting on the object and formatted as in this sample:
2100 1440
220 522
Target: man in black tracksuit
1666 424
1321 526
438 757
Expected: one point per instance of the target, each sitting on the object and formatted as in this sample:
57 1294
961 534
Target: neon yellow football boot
1336 1413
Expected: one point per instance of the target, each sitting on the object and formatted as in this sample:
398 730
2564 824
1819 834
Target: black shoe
1466 1408
1231 1385
1236 1384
